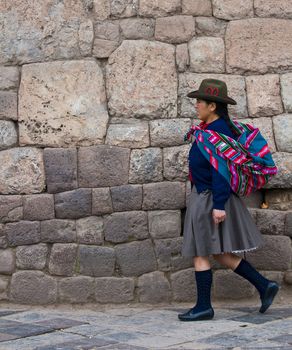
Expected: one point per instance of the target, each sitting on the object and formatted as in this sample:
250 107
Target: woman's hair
222 111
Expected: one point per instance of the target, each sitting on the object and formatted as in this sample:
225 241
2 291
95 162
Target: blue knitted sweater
203 175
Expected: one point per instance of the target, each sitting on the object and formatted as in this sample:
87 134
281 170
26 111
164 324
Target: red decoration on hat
212 91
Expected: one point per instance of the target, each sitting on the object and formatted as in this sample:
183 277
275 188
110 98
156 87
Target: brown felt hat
212 90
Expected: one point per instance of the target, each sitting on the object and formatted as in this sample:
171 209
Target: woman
217 222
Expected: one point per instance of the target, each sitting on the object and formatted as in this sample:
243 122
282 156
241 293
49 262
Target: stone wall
94 175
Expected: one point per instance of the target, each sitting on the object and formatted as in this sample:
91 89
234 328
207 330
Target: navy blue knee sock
204 283
246 270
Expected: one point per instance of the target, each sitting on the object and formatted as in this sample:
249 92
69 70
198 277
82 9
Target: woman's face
203 109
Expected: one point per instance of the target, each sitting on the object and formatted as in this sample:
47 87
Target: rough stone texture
108 30
164 195
286 86
38 207
153 287
283 178
197 7
33 287
134 135
182 57
288 277
275 255
124 226
103 48
4 281
22 232
137 28
114 290
288 224
22 171
103 165
263 95
279 199
74 111
232 9
78 289
125 8
136 258
90 230
175 162
154 8
61 169
271 222
183 285
8 105
168 132
229 285
210 26
7 261
11 208
164 223
57 230
207 54
31 257
101 201
73 204
269 37
145 165
191 81
62 259
126 197
138 84
95 261
168 253
8 134
267 8
175 29
283 132
9 77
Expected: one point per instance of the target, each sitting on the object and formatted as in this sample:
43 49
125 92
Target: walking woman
217 222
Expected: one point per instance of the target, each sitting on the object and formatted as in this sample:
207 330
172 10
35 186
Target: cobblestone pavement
236 325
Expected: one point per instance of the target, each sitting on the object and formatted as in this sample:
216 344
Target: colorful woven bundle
246 163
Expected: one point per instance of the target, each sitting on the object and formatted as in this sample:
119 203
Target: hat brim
197 94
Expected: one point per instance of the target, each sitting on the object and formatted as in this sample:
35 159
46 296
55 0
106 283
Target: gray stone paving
139 327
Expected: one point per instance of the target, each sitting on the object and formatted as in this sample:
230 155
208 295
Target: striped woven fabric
246 163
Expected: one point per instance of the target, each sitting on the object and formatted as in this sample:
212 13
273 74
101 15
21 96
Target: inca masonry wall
94 174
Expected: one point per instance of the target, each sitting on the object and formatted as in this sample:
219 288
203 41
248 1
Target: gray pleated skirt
201 236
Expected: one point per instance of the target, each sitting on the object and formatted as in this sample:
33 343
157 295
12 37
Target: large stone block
38 207
191 81
33 287
288 224
101 201
182 57
137 28
286 86
207 54
62 259
4 283
263 95
246 38
103 48
283 132
79 289
73 204
114 289
11 208
283 178
275 255
67 104
125 8
7 261
8 134
31 257
129 67
164 195
90 230
100 166
126 197
22 171
22 232
197 7
136 258
175 29
9 77
232 9
95 261
210 26
154 8
279 199
8 105
164 223
153 287
183 285
124 226
267 8
61 169
145 165
175 162
57 230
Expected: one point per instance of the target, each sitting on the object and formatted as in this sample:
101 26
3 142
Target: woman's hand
218 215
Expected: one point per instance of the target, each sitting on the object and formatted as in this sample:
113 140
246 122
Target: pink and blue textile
246 163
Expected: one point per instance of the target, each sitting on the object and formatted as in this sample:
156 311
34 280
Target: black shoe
190 315
267 299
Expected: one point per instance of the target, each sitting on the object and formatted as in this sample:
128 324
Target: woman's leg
201 263
230 260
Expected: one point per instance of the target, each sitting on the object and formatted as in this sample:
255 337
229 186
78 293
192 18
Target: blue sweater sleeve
221 190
